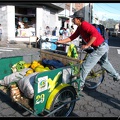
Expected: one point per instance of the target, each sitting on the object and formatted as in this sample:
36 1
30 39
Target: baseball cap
76 14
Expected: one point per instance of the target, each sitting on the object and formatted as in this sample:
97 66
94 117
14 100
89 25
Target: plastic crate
49 54
53 46
7 62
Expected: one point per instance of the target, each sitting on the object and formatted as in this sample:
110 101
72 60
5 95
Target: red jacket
86 31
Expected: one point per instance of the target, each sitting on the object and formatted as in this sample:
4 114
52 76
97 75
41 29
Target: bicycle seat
89 50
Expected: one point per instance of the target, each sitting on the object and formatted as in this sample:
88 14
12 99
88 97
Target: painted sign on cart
42 84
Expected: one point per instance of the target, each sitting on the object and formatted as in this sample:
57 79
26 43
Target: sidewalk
18 49
16 44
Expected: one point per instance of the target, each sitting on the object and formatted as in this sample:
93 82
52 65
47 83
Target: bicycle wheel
95 77
65 95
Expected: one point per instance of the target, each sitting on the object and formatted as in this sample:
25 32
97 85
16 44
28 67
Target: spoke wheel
65 95
95 77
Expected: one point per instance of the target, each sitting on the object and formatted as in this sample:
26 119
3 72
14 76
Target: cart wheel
65 95
95 77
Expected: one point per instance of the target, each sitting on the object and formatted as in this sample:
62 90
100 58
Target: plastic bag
14 77
26 85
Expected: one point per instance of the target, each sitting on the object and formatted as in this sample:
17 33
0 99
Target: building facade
19 22
70 8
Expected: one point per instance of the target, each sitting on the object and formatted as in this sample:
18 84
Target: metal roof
56 6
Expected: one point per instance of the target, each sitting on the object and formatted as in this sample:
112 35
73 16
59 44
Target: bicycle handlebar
88 50
47 40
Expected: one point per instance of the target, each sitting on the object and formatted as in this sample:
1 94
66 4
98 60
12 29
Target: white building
88 10
35 18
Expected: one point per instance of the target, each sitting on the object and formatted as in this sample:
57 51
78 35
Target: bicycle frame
97 75
93 74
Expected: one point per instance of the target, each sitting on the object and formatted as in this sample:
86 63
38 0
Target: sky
106 11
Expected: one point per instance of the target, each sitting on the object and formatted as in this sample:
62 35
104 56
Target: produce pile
21 81
15 92
35 66
22 72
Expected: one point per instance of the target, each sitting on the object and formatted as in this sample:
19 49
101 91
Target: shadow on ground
111 101
15 106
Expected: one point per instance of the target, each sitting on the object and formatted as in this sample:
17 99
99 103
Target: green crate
6 64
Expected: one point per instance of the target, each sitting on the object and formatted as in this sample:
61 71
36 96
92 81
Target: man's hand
58 42
63 41
84 47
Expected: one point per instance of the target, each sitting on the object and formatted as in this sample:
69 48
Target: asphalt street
101 102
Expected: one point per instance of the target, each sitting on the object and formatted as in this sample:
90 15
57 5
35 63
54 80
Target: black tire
66 94
95 77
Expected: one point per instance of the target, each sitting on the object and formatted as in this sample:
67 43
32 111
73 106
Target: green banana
18 66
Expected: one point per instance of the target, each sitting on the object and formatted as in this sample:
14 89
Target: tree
109 23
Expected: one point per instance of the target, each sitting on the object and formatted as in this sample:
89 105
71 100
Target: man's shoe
117 78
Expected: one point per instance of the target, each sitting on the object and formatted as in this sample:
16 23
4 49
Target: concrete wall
3 22
7 20
11 22
44 17
39 28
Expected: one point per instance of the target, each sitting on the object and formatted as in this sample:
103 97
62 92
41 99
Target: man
106 35
97 27
72 30
92 38
47 31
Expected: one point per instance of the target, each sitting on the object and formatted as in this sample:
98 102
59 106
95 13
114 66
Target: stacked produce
27 71
15 92
35 66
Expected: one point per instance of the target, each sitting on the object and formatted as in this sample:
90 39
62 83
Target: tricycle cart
54 91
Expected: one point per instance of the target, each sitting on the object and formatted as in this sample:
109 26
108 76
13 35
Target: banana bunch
34 64
29 72
27 65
